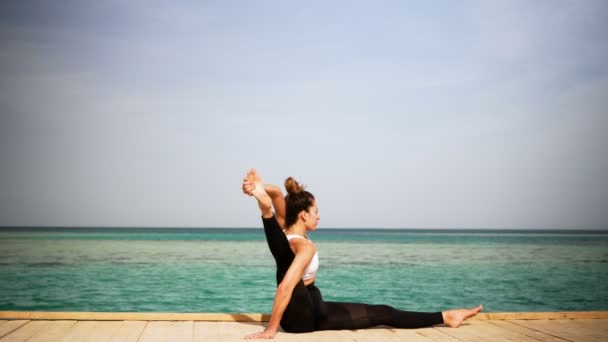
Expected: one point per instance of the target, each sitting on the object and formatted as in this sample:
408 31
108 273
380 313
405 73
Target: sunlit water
231 270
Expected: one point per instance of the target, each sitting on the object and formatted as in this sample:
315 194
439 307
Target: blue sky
472 114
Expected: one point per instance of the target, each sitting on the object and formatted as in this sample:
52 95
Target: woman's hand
267 334
247 187
253 186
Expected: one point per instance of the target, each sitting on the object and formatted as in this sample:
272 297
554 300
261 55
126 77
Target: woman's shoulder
302 244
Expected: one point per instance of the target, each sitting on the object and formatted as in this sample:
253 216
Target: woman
298 305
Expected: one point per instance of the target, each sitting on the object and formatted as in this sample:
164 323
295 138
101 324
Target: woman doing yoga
298 305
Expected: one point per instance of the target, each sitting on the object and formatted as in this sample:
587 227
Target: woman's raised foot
254 177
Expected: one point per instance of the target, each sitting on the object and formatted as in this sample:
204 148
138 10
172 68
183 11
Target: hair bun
292 186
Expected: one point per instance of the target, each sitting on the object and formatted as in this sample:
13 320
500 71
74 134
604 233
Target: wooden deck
29 326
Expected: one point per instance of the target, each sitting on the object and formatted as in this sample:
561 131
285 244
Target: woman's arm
304 250
278 202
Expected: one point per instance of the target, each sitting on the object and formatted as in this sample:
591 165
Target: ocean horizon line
434 229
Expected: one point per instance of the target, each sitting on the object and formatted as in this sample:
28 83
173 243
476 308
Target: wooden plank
91 331
552 328
54 331
230 331
205 331
29 330
588 329
103 331
329 336
167 331
537 325
463 333
26 331
402 335
283 336
494 332
375 334
8 327
180 331
436 335
129 331
79 331
566 329
226 331
470 331
154 331
538 335
597 326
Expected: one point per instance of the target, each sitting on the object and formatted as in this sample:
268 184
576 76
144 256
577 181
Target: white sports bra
313 266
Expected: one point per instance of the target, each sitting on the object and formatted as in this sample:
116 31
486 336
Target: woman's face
312 218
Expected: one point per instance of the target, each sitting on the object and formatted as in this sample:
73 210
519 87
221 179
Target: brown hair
297 199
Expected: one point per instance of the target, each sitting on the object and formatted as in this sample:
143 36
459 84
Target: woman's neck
297 228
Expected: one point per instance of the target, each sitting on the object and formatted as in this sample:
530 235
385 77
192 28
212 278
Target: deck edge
134 316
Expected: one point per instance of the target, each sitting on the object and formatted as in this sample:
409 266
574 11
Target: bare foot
454 318
252 182
256 179
253 186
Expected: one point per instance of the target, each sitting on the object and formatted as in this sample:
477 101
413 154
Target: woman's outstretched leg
277 242
278 245
340 316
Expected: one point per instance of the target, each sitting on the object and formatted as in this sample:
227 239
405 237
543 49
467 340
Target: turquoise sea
231 270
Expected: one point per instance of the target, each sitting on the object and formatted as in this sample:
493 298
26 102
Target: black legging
307 311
